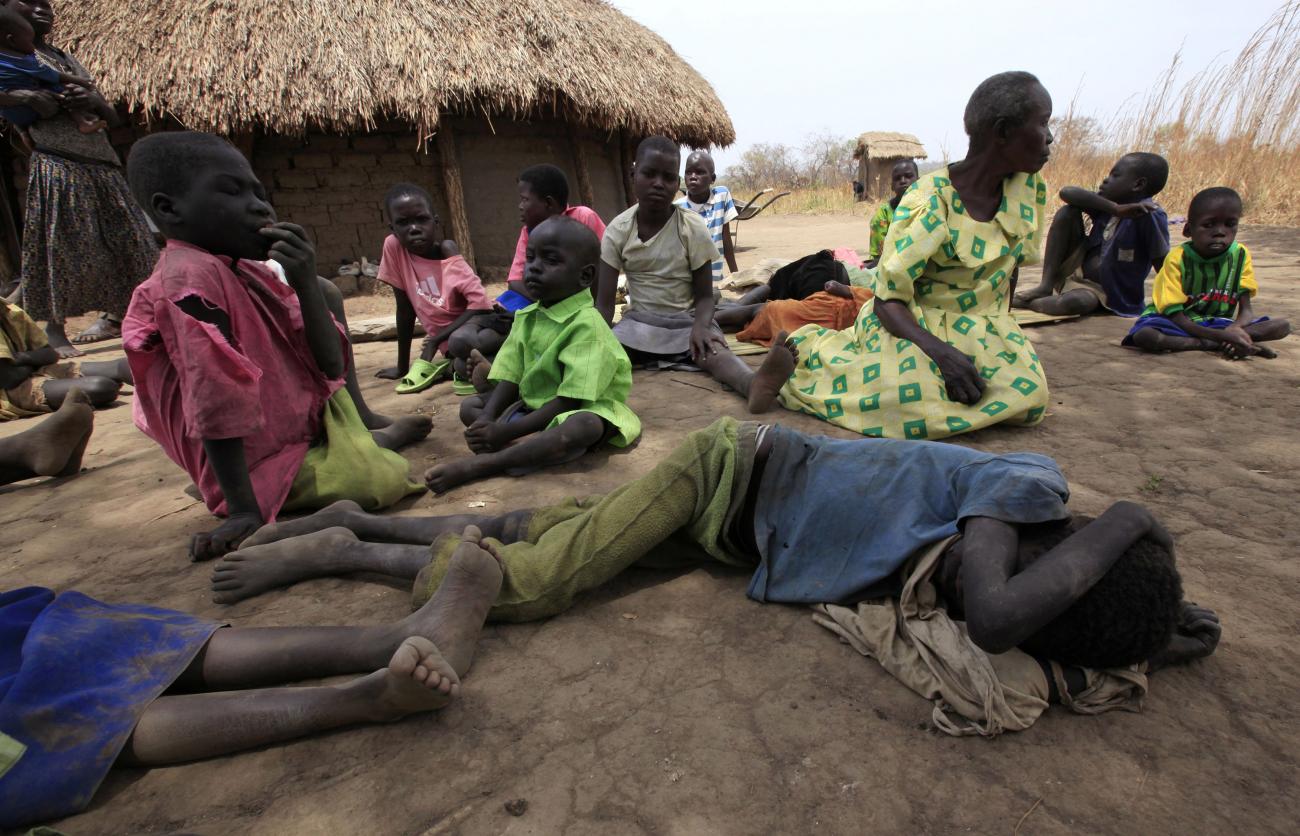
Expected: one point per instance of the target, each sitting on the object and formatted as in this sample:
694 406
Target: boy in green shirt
561 378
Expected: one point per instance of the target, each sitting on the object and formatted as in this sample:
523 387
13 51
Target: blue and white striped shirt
717 213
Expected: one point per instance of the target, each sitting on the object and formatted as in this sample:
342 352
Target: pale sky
788 68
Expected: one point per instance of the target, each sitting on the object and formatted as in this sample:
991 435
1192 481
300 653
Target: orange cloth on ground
821 308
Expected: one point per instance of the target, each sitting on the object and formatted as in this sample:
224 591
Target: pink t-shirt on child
579 213
439 289
262 385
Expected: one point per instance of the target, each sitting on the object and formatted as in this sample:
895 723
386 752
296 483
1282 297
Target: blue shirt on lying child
1128 248
25 73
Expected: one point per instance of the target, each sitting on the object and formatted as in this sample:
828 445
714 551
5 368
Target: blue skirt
1165 325
75 676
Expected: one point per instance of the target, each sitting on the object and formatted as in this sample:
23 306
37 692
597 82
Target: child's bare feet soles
403 431
453 617
257 569
776 369
341 514
55 447
417 679
442 478
479 367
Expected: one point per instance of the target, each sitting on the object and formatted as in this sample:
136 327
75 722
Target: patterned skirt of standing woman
86 244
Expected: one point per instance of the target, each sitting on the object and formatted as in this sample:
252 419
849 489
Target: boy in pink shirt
543 194
239 377
430 280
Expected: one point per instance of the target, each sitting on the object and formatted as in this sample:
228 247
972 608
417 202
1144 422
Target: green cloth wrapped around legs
679 513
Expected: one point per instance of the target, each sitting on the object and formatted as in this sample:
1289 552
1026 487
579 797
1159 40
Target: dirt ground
670 703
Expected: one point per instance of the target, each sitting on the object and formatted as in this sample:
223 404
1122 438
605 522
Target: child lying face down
561 379
991 533
100 685
1201 299
239 376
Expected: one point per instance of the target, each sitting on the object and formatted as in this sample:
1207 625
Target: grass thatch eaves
287 66
882 145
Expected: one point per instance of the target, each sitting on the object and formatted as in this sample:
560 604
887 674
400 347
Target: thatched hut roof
881 145
289 65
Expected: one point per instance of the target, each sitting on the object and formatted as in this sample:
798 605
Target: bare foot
250 571
479 367
375 421
777 367
442 478
403 431
453 617
56 445
341 514
417 679
58 340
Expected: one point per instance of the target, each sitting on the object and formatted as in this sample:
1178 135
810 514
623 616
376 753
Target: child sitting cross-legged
1201 299
431 281
543 194
240 377
561 378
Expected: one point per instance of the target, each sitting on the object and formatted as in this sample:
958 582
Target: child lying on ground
714 206
543 194
1201 299
20 69
1106 263
666 252
239 377
431 281
991 534
903 175
85 686
837 307
32 378
53 447
561 379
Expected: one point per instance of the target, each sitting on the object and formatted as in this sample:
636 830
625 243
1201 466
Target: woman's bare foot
418 678
777 367
479 367
58 340
403 431
55 446
342 514
442 478
251 571
454 616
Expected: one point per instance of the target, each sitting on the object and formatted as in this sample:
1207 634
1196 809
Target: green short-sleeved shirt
567 351
659 270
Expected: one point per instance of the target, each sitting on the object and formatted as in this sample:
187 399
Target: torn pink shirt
191 383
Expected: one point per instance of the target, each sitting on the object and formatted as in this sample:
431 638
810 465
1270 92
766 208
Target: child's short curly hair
545 181
167 163
1125 618
405 190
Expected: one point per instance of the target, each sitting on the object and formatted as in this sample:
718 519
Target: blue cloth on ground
75 675
25 73
512 301
834 517
1127 252
1165 325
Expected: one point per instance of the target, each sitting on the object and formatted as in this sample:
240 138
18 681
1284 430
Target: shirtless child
1085 594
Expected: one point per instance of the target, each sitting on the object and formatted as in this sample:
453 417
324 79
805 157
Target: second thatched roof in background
881 145
286 66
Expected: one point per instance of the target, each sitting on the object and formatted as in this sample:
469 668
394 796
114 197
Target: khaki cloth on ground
679 514
973 692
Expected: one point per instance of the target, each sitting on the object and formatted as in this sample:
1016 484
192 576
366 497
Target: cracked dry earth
669 703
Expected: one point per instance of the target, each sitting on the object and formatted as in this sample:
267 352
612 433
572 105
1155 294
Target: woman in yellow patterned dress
937 352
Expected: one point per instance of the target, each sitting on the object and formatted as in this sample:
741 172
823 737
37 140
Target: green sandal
462 387
422 375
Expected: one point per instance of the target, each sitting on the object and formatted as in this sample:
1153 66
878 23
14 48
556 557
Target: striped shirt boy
719 211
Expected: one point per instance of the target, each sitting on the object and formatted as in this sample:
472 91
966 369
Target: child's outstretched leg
548 448
759 387
1064 238
54 447
99 391
118 370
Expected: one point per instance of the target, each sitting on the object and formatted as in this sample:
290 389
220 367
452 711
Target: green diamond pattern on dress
1009 356
977 245
980 272
931 221
963 325
914 429
1018 339
870 373
839 385
809 390
915 271
924 287
996 279
840 361
967 300
909 392
1027 212
941 182
874 432
903 243
949 251
907 365
873 343
1002 207
983 342
987 372
958 207
1023 385
1034 415
993 408
833 408
902 345
957 425
814 361
869 402
902 213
